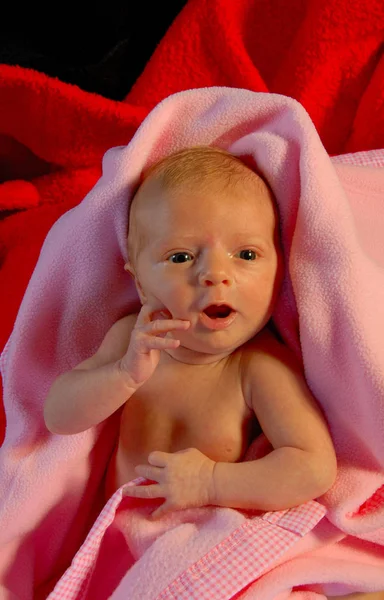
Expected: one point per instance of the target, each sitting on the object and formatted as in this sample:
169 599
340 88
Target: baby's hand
148 338
184 479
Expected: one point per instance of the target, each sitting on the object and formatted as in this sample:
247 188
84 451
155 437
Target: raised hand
148 339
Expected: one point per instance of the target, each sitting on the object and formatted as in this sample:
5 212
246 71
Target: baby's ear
128 267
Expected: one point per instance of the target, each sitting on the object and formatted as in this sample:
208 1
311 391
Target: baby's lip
218 304
215 321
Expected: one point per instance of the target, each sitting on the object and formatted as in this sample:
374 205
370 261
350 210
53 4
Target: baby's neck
192 357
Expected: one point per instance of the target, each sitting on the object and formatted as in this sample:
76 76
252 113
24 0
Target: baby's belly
224 440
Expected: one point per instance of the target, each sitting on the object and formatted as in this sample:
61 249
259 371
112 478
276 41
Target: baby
198 371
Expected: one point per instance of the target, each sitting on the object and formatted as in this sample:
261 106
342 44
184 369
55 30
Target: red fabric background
328 55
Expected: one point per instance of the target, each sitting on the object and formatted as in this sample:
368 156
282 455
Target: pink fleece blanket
330 312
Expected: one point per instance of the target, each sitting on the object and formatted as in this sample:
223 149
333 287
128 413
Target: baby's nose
215 274
213 279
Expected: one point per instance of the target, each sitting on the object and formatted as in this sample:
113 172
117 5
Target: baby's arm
97 387
302 465
94 389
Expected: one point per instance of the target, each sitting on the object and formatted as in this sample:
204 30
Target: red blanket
327 55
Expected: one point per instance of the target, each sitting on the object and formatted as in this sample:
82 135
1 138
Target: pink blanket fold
330 312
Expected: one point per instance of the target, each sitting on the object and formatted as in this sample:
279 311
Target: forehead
247 200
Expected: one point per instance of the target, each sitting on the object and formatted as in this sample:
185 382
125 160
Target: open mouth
218 311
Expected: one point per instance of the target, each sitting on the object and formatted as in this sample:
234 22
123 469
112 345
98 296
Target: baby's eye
248 254
180 257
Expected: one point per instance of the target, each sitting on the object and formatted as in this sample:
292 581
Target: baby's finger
162 510
143 491
157 327
160 459
158 343
152 473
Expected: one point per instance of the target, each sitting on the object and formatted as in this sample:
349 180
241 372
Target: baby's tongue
217 312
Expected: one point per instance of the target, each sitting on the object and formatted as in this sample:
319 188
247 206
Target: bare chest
178 409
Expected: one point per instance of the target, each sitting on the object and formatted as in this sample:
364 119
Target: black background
100 48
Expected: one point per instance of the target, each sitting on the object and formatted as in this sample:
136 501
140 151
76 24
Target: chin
215 345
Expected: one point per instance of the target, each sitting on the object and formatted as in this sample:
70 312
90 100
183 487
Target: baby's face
211 258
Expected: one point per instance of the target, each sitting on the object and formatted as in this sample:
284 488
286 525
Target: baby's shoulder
264 344
265 358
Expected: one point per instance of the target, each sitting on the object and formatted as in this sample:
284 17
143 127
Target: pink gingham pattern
73 584
368 158
243 556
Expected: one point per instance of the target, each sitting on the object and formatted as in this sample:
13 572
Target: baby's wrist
126 378
212 487
221 483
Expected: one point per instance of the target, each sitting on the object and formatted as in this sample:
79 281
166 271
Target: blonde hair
197 165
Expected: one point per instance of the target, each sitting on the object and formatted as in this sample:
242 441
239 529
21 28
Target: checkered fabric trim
245 555
300 519
369 158
74 582
226 569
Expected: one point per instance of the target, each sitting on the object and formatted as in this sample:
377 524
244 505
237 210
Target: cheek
261 287
170 290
